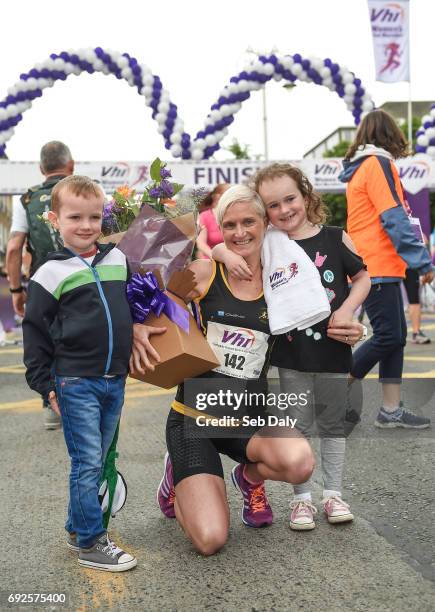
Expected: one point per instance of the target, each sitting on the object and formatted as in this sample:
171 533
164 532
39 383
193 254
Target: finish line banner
415 172
390 31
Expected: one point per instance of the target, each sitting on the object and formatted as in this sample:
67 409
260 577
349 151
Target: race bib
241 352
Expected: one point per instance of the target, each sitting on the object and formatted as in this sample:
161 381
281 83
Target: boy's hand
53 402
142 348
237 266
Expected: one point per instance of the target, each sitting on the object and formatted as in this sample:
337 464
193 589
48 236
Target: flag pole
409 82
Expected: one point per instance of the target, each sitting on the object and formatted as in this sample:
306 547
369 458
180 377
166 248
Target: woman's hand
343 329
142 348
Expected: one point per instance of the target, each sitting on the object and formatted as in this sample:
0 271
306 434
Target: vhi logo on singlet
243 338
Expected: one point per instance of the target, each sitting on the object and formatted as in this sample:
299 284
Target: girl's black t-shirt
310 350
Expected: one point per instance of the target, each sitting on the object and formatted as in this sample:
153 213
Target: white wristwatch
365 332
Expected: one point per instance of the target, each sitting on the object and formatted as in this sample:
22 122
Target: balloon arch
259 71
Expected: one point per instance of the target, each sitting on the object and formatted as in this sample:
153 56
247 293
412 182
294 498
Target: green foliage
416 122
155 170
239 151
339 150
336 202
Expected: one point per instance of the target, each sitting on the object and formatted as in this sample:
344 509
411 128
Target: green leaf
119 199
177 187
155 170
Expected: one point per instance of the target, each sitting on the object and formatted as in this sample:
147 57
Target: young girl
316 359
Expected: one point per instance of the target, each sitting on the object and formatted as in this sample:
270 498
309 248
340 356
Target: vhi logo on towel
281 276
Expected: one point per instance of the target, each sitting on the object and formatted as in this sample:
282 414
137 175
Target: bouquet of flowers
158 241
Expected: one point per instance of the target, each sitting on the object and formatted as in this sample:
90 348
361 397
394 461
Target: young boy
78 330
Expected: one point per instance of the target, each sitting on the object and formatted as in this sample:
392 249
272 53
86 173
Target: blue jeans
90 408
384 307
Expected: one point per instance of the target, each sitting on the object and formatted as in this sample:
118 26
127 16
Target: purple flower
108 210
155 192
164 173
167 189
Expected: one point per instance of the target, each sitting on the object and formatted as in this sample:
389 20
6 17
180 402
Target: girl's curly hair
317 211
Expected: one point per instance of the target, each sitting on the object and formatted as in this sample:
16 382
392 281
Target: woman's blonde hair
236 194
317 211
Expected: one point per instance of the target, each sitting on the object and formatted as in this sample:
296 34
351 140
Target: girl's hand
349 332
53 402
237 266
143 349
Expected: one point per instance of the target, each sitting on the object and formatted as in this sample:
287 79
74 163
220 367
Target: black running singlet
237 330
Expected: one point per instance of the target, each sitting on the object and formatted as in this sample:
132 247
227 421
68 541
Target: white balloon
431 151
122 62
12 91
42 83
161 128
69 68
423 140
126 72
367 106
32 83
146 91
268 68
3 114
77 70
59 63
176 150
327 81
287 61
200 143
348 99
430 132
175 138
277 76
233 88
161 117
243 85
148 79
432 113
210 139
11 110
216 115
325 72
426 118
347 77
197 154
316 63
303 76
163 107
350 88
98 65
297 69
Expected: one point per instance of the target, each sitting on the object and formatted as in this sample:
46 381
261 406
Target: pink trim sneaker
336 510
302 515
256 511
166 491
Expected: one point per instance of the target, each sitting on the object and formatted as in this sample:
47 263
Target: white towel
293 290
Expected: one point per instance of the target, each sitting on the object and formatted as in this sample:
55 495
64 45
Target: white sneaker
302 515
336 510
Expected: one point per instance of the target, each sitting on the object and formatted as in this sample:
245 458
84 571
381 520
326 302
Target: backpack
42 238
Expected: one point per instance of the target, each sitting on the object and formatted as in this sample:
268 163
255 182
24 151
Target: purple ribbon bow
145 296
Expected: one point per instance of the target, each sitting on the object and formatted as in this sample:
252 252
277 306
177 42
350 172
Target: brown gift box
181 355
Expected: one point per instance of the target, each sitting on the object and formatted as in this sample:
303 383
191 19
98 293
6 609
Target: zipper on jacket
106 308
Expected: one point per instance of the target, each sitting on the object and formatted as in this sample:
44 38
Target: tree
336 202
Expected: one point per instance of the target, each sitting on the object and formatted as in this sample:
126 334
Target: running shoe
166 491
400 418
256 511
302 515
420 338
336 510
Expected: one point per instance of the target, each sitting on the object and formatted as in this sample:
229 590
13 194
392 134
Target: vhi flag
390 30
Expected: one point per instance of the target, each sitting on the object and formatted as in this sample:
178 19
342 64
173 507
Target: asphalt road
383 561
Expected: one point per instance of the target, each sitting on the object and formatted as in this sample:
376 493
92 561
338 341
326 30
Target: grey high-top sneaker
106 556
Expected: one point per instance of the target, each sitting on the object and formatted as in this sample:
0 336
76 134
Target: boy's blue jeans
90 408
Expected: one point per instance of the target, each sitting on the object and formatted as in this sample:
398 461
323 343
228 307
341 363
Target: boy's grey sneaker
401 418
71 542
51 419
106 556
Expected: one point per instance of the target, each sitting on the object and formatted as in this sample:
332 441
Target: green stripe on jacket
84 277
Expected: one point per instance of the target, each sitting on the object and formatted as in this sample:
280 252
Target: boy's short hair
76 185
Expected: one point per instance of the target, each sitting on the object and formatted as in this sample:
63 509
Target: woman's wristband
19 289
